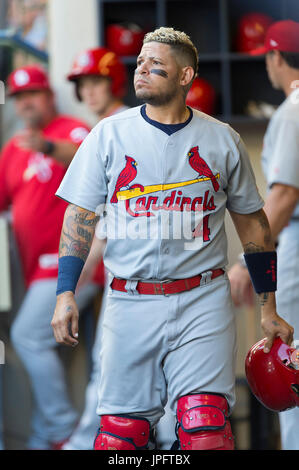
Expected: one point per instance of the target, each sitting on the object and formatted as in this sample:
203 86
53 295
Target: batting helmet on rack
274 377
28 78
124 39
202 96
251 33
101 62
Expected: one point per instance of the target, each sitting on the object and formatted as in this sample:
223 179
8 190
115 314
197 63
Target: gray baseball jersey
166 193
280 156
280 159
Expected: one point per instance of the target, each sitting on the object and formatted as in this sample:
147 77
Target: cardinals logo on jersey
126 176
198 164
176 201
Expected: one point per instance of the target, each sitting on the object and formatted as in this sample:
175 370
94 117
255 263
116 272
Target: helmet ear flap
273 377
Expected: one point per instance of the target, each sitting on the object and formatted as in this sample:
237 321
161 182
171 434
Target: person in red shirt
32 165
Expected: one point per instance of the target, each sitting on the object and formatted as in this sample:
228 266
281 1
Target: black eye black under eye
160 72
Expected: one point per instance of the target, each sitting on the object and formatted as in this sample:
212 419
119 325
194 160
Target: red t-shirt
28 182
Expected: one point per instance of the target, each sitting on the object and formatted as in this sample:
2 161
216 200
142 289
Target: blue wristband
262 268
69 270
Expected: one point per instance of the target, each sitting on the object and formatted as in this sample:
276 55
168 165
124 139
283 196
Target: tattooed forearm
84 233
73 248
85 219
265 239
261 237
264 224
77 232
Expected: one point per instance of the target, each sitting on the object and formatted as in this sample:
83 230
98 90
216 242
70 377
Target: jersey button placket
161 177
164 249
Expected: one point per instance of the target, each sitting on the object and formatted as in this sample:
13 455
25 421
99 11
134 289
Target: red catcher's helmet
102 62
124 39
251 31
202 96
31 77
273 377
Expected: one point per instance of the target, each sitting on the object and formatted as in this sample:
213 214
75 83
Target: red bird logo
198 164
125 177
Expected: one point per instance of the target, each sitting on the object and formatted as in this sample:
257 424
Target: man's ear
187 75
277 58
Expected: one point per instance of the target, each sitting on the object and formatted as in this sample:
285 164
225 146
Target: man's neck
168 114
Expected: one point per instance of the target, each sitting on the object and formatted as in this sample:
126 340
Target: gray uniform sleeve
85 183
284 166
242 193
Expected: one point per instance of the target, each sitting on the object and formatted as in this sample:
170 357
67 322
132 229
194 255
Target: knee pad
122 433
203 422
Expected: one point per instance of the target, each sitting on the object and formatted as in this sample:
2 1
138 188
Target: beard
32 119
160 98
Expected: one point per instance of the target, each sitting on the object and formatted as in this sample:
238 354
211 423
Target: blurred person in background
280 159
32 164
29 19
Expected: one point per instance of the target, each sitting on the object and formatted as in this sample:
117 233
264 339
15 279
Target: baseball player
281 168
100 80
162 174
32 165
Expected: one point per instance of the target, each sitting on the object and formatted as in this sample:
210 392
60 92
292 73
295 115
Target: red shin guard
122 433
203 422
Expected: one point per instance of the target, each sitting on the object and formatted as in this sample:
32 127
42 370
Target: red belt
168 287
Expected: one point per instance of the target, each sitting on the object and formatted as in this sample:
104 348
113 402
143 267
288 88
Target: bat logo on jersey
187 210
176 201
198 164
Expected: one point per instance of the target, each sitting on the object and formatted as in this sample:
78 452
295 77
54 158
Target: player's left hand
273 325
31 139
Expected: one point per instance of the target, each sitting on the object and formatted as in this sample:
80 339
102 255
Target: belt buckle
159 287
206 277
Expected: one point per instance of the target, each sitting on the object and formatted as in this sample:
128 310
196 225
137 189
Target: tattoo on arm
266 237
85 218
264 298
84 233
77 232
251 247
264 224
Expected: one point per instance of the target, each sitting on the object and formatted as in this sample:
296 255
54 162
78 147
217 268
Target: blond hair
179 41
